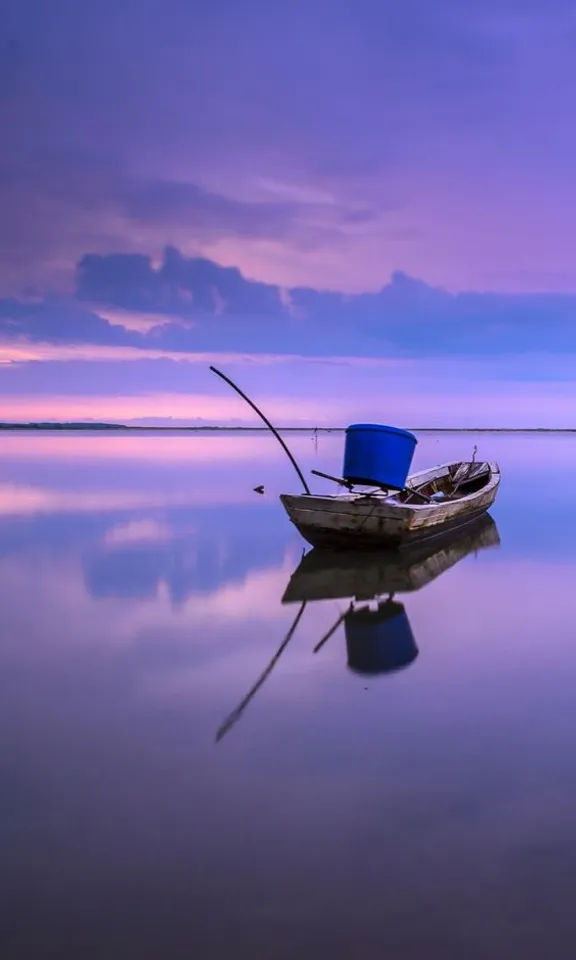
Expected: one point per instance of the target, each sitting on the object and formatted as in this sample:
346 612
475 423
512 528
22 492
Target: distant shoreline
47 427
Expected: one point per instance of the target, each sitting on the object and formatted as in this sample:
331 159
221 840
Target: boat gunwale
385 499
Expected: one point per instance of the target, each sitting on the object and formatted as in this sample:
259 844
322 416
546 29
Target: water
425 812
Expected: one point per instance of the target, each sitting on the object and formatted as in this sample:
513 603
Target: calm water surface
146 811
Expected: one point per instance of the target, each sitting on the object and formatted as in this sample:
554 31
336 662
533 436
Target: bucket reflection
379 641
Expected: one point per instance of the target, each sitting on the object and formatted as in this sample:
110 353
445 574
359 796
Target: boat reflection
333 575
379 638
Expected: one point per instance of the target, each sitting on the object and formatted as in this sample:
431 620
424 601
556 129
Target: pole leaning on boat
267 422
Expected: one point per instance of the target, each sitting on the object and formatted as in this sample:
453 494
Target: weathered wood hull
380 521
325 574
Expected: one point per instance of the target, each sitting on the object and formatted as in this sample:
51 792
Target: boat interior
455 481
450 482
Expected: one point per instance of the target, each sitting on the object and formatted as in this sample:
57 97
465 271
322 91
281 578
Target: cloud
247 181
209 215
190 408
55 320
405 315
57 201
184 286
295 148
204 308
408 401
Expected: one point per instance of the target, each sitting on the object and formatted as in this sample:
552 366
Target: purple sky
385 181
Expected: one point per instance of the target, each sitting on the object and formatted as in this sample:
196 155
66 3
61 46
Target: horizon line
96 426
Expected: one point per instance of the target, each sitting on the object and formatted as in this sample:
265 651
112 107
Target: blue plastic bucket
378 455
379 641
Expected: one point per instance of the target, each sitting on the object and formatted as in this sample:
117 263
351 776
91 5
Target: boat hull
372 522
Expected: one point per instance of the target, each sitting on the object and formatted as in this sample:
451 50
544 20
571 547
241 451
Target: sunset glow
216 207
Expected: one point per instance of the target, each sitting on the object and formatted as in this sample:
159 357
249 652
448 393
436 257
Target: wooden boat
337 575
433 502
